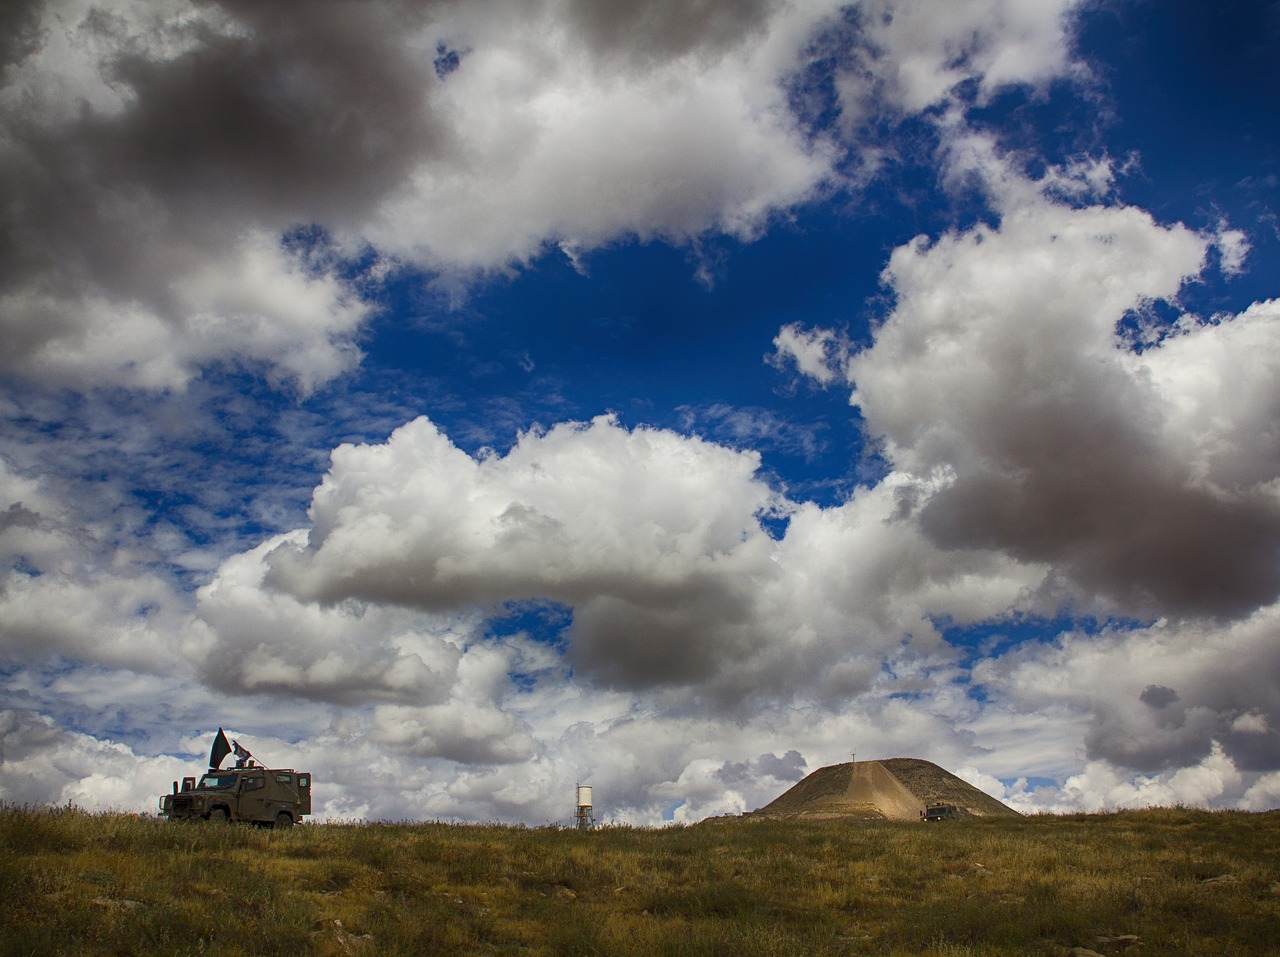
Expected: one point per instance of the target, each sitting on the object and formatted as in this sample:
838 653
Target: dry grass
1180 881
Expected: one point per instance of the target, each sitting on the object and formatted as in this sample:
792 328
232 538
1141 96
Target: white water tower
583 815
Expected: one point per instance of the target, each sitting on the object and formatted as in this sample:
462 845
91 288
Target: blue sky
467 400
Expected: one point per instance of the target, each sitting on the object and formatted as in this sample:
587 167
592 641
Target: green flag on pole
219 751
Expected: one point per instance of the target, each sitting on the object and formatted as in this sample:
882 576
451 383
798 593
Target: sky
462 401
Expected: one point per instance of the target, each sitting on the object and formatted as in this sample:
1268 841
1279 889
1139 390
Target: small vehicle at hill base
939 812
278 797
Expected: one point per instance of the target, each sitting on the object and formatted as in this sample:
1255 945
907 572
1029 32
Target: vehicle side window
252 784
284 778
304 780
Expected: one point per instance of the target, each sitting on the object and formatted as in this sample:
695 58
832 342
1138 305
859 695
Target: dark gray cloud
305 113
625 645
1252 750
1175 737
19 31
263 123
787 767
660 29
1129 475
1158 696
1110 515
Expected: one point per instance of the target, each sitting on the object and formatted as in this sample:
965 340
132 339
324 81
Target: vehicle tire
283 821
220 815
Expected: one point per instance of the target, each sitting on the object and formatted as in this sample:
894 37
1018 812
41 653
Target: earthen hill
895 789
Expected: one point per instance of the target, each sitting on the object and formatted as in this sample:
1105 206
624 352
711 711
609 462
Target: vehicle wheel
220 815
283 820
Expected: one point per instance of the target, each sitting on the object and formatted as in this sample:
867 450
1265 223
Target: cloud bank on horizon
353 402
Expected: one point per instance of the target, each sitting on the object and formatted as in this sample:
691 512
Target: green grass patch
1167 881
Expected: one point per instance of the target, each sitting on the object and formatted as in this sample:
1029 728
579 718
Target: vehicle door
253 798
283 786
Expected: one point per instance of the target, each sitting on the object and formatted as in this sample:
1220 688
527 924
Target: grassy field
1167 881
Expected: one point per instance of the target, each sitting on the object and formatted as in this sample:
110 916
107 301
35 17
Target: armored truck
278 797
939 812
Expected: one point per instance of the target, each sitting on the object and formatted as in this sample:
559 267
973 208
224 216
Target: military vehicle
939 812
278 797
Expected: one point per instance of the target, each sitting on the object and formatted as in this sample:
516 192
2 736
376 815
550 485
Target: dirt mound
896 789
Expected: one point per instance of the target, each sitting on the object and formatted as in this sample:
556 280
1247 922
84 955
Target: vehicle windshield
218 781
